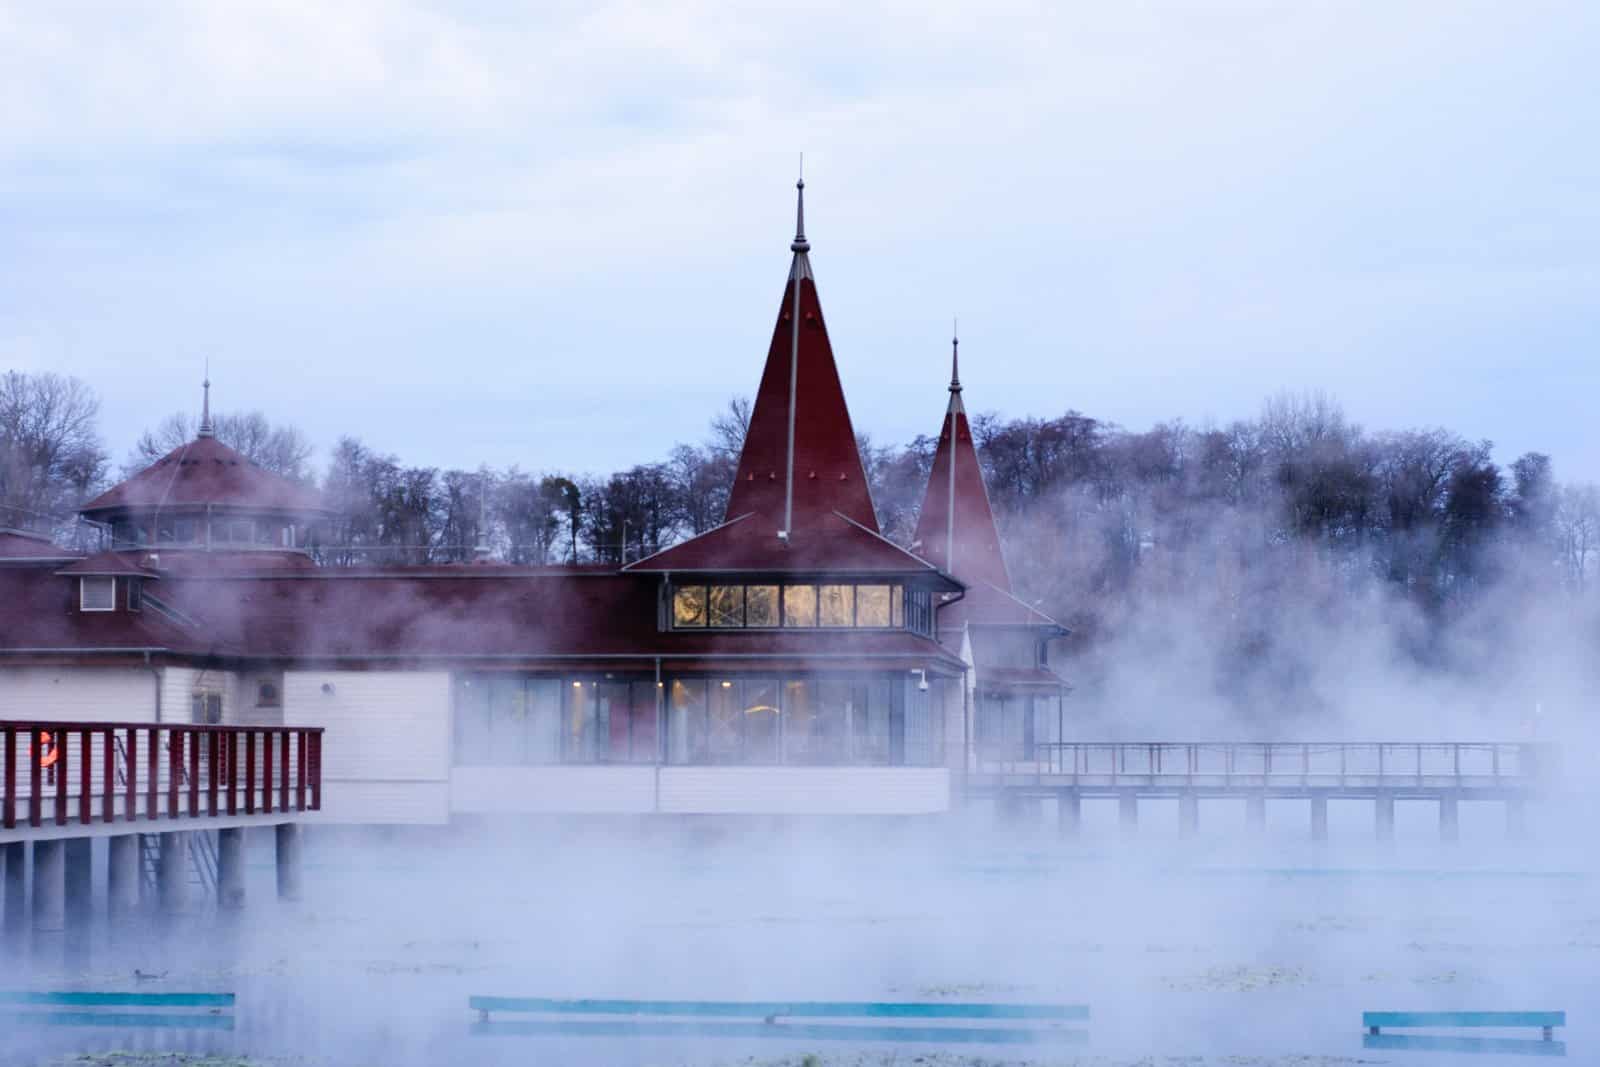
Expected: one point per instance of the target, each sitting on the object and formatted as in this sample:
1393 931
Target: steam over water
1224 945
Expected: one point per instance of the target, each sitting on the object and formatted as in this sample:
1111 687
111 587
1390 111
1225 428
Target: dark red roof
23 544
977 556
206 472
41 615
119 564
830 544
514 614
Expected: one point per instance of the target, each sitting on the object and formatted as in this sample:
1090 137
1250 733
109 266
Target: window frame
83 593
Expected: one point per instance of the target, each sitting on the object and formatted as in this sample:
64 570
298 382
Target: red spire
956 508
800 461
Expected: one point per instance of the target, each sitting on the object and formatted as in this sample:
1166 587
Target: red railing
56 773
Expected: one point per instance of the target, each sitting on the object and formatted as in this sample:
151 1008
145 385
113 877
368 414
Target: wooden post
1069 812
1128 810
1384 815
1255 810
1319 818
1449 817
1188 813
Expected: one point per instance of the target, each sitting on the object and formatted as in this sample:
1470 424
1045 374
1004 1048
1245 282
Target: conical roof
956 527
205 472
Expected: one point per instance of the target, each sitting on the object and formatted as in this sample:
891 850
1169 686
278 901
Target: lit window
97 594
897 606
799 605
761 605
727 605
689 605
836 604
872 605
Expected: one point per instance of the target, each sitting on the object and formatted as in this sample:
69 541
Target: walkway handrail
1396 763
108 772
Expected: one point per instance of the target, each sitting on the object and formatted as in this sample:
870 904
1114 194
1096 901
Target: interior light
727 685
577 685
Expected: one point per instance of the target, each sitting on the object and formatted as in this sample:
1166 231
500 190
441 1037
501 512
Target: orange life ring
48 752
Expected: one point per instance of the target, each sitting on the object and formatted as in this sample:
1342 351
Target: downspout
155 675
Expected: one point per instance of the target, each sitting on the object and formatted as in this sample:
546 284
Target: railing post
131 761
85 777
1419 763
302 764
108 771
1343 750
283 771
63 764
214 757
250 772
316 770
194 770
8 802
266 771
152 758
174 769
1455 752
232 779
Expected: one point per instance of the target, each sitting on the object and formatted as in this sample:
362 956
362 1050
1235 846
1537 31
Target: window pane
642 730
836 604
872 605
689 605
612 709
761 721
725 740
686 721
869 722
799 605
897 606
578 742
813 721
508 720
544 720
761 605
727 605
472 723
99 594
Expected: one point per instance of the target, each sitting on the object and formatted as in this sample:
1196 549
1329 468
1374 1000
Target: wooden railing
1235 764
63 773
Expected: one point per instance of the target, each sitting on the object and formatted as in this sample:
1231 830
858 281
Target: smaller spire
955 354
206 429
800 245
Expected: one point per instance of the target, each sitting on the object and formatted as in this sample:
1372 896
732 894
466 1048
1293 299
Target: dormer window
97 593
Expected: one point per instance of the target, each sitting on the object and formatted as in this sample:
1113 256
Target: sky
557 237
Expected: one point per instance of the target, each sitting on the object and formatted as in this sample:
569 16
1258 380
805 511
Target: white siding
386 749
569 789
96 694
805 790
179 684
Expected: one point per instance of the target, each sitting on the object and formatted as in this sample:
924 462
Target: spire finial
955 355
206 429
800 243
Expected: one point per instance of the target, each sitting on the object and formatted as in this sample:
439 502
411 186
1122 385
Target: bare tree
50 452
281 449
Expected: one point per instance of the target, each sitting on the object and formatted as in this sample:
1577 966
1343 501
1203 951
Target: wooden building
790 661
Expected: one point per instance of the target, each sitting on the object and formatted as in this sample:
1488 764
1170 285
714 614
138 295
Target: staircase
202 856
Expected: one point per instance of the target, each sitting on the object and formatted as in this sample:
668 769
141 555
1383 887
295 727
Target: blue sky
558 238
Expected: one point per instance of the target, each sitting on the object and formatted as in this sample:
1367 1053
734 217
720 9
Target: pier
173 800
1446 773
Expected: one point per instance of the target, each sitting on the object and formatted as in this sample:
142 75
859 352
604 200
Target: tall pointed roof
800 394
205 472
800 500
956 526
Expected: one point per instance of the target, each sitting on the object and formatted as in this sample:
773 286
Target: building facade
790 661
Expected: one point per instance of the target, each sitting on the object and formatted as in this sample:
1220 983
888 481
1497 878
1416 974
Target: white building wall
386 746
804 790
544 790
180 684
100 694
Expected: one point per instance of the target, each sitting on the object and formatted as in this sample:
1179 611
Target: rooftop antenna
206 429
800 269
955 407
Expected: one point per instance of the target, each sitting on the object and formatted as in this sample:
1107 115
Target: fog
1215 947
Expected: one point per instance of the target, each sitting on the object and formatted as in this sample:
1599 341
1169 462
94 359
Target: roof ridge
687 541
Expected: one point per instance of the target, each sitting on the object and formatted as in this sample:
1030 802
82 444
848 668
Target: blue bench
1546 1021
949 1023
209 1011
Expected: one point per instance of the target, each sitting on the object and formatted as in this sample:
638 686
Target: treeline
1097 518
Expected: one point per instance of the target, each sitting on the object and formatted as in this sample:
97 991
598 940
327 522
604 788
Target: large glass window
761 605
872 605
836 605
869 721
727 605
583 725
686 721
725 723
507 720
799 605
689 605
629 711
